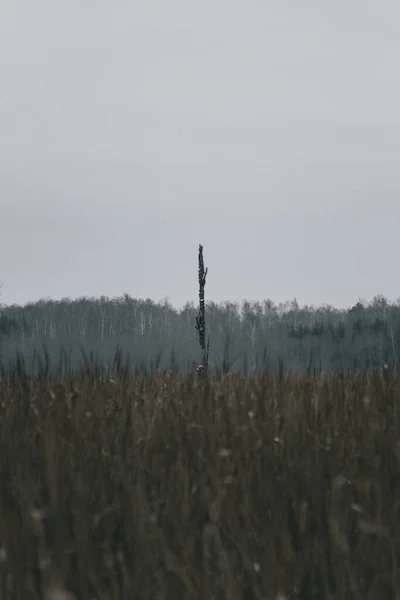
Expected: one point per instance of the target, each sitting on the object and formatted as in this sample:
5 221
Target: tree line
250 336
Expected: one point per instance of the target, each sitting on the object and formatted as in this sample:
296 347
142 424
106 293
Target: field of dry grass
164 487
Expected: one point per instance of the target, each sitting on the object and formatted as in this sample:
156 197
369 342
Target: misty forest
251 336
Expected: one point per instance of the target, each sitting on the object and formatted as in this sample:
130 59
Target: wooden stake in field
200 319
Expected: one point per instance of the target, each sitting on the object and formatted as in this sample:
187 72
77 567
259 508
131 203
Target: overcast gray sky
267 130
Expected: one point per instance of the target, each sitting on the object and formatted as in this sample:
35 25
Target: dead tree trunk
200 319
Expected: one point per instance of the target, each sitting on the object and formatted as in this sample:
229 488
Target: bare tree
200 318
1 292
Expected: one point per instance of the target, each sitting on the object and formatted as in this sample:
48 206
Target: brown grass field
274 486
